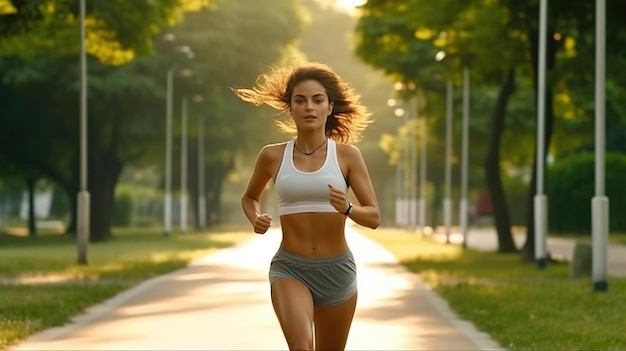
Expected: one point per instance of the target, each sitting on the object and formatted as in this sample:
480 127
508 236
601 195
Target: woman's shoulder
348 150
273 150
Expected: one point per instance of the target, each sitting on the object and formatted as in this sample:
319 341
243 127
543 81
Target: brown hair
348 118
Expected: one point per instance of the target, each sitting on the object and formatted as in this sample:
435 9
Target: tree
123 103
402 38
41 68
117 31
232 43
497 40
570 26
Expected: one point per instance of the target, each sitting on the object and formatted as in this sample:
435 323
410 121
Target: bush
123 209
571 186
516 191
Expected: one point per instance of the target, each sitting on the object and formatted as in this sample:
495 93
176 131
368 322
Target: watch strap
349 209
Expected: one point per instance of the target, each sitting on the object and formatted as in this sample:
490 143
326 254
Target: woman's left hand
338 199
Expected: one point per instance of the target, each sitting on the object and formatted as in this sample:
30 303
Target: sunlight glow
350 5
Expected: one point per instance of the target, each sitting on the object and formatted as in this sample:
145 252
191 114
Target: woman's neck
309 142
308 145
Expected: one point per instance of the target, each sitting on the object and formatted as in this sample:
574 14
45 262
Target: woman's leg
293 305
332 324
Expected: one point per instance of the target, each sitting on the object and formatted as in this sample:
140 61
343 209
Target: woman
313 274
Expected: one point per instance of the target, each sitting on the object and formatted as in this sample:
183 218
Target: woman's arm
366 212
250 199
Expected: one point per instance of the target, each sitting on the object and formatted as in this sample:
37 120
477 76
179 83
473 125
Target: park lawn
614 238
41 286
520 306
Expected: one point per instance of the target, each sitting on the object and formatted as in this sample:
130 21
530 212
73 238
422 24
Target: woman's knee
299 343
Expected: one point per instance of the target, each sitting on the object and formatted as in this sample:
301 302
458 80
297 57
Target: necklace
310 153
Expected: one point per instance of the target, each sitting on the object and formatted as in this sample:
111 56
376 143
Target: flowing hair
348 118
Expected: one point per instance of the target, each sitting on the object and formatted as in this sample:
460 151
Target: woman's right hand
262 223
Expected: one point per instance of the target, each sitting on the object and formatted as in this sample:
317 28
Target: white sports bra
299 191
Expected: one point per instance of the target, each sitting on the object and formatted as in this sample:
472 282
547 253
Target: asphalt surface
559 248
222 302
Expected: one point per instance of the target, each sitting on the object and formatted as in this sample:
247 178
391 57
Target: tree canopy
427 42
126 108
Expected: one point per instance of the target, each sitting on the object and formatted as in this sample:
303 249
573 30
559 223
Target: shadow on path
222 302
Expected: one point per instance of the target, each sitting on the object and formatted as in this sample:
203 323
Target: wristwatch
349 210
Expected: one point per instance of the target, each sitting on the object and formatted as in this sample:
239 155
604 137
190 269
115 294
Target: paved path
221 302
559 248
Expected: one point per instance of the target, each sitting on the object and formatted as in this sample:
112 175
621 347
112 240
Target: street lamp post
463 208
183 166
422 170
600 202
83 201
447 202
400 205
167 220
540 199
410 153
167 208
406 147
201 191
413 116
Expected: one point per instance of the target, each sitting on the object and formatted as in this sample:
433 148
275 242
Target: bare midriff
314 235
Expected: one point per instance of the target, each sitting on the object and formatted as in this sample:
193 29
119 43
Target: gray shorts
331 280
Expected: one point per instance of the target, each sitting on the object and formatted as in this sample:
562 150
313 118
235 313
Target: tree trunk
192 187
215 177
492 167
103 174
217 198
212 199
32 220
436 204
528 250
73 202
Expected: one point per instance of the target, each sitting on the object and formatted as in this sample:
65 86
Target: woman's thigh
293 305
332 324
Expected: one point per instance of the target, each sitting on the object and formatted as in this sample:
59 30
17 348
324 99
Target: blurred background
451 84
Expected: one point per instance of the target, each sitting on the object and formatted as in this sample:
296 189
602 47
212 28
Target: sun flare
350 5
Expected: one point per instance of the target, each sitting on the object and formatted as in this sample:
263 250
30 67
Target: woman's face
310 106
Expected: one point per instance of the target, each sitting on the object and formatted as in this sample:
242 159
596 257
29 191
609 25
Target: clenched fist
262 223
338 199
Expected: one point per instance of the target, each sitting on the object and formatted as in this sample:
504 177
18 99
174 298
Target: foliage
124 209
115 30
427 43
232 43
126 102
571 182
516 189
491 37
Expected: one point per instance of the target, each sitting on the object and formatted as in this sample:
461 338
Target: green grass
520 306
614 238
41 285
